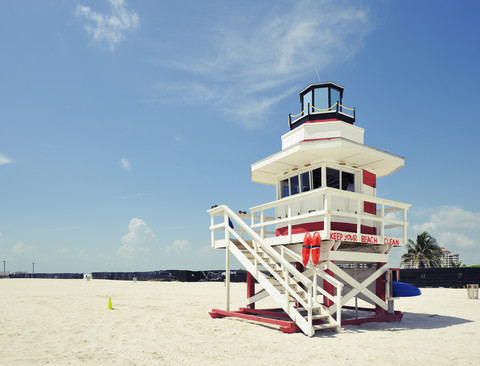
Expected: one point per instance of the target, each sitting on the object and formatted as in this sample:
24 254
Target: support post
250 289
356 297
300 268
380 290
227 261
328 287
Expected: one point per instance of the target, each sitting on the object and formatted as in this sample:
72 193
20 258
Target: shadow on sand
410 321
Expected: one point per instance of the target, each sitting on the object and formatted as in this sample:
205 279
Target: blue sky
122 122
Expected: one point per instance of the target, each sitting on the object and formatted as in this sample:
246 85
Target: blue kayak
402 289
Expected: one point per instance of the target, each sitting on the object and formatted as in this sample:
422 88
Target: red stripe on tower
370 207
369 179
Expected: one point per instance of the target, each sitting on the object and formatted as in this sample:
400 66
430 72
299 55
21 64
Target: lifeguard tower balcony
325 179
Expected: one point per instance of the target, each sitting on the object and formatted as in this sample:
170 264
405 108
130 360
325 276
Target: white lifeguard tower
325 179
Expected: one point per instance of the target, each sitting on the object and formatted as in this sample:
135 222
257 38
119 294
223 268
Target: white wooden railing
322 201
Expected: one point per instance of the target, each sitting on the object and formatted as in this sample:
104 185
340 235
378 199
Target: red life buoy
316 248
307 243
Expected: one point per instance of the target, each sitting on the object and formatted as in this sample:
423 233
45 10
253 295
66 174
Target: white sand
61 322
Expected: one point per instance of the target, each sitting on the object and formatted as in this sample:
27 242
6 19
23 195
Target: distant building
449 259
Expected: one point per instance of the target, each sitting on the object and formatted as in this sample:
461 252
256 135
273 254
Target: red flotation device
307 244
315 248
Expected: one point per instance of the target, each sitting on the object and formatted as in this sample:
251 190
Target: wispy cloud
177 247
451 218
109 28
138 239
64 251
4 160
452 226
20 248
252 65
125 164
456 239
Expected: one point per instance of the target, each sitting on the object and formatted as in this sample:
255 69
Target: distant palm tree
458 265
425 252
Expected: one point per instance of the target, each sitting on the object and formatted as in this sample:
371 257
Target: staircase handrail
281 280
266 248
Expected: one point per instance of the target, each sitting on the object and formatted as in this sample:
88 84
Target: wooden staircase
293 291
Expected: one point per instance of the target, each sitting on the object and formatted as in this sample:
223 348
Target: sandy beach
66 322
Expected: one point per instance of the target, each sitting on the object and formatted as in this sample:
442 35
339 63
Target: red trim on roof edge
324 120
323 138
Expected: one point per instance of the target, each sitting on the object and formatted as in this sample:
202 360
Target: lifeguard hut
326 180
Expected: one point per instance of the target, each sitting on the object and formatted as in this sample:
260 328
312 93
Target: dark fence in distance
424 277
168 275
441 277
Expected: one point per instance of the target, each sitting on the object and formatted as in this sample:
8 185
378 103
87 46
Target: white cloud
253 63
456 239
125 163
178 246
426 226
447 218
4 160
21 248
137 240
82 254
109 28
452 226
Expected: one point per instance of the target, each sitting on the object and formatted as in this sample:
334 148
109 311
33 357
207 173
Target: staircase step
319 316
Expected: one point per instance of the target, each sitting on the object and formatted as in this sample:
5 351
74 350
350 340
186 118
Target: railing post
262 229
382 213
212 231
326 206
359 212
289 215
308 108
